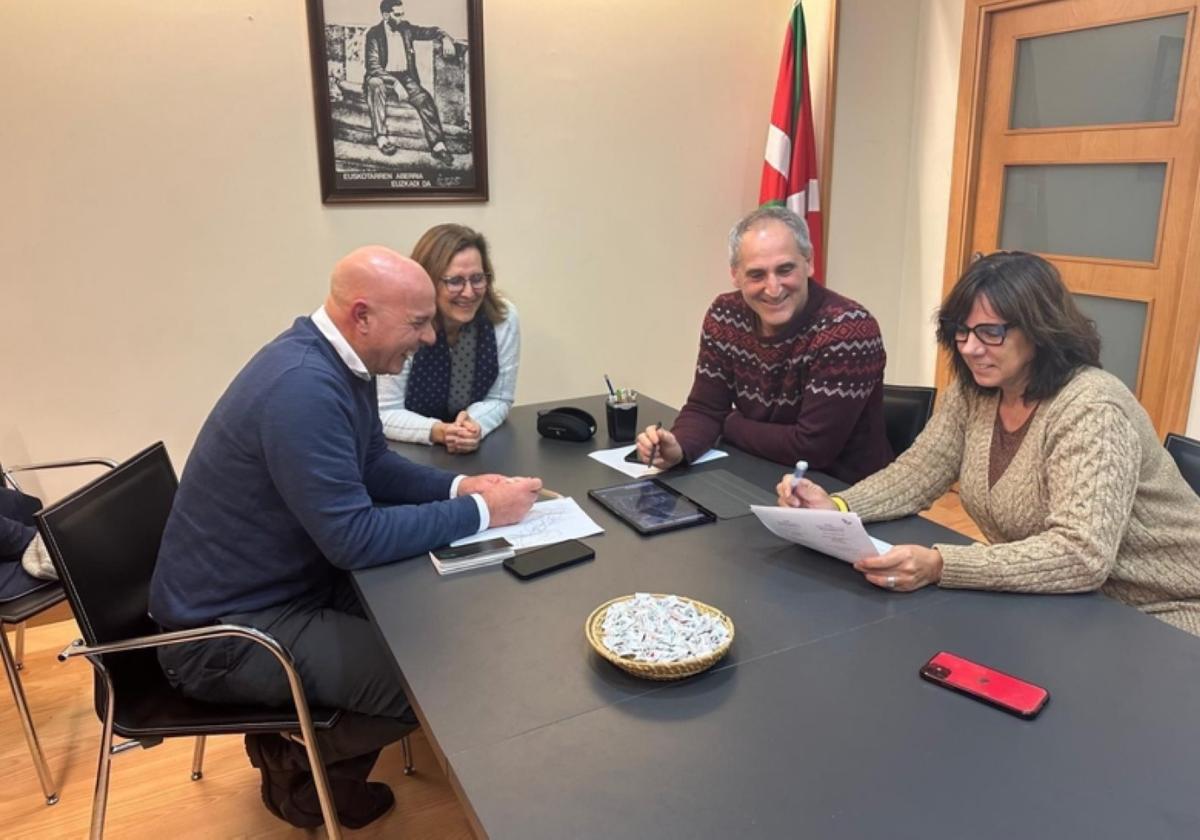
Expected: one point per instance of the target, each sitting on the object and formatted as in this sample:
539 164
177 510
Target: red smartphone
996 688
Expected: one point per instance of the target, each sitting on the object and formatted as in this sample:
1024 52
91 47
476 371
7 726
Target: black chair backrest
104 539
906 410
1186 453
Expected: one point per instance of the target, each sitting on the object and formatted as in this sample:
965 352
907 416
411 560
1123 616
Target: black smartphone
548 558
472 550
632 457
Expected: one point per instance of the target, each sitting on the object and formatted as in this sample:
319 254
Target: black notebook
720 491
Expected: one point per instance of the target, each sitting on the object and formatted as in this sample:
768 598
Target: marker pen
798 473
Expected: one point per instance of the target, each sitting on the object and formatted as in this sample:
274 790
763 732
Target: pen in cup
611 391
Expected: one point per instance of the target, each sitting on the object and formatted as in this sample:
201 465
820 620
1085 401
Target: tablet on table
651 507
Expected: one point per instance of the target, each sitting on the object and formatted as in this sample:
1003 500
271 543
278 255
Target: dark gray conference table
816 724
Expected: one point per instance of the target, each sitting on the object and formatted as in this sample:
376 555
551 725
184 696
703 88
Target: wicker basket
594 631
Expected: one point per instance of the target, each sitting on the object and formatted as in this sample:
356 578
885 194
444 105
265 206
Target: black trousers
341 660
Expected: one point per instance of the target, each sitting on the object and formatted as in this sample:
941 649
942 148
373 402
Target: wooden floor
949 512
151 790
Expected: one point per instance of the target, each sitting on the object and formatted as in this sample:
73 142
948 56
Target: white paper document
615 458
831 532
551 521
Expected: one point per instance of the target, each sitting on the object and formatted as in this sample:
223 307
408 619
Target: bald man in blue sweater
289 487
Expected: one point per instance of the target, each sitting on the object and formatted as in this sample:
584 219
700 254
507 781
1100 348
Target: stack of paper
831 532
453 559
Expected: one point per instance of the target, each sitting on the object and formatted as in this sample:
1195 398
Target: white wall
897 88
163 220
928 193
877 46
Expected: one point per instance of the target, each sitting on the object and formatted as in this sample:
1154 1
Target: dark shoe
386 146
270 754
358 804
273 789
443 157
364 804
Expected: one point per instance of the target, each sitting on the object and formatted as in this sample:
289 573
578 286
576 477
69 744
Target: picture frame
398 90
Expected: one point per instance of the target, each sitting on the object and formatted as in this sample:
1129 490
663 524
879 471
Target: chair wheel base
52 800
20 666
197 776
408 771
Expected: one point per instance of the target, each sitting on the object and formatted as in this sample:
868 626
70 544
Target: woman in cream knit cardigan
1057 462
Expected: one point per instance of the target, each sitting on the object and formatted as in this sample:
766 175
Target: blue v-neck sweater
290 480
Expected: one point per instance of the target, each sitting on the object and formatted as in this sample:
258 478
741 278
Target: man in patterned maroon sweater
788 370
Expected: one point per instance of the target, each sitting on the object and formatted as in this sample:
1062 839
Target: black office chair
1186 453
104 540
16 611
906 410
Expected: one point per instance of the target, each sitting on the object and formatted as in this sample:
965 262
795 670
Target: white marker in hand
798 473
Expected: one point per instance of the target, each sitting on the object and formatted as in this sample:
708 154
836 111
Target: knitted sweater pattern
1091 499
813 391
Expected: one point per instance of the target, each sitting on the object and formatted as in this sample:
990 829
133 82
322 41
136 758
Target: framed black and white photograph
398 86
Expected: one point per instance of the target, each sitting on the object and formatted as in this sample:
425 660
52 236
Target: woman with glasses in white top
457 391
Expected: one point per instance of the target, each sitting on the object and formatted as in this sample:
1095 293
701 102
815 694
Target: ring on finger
891 581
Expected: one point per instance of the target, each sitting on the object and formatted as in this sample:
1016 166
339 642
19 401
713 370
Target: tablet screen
650 507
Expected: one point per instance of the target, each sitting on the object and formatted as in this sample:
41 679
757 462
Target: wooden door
1078 138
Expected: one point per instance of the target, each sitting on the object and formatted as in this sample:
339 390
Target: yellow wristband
841 503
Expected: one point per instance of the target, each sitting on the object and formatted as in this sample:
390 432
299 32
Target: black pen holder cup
622 420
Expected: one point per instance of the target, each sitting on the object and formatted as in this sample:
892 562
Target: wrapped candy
661 628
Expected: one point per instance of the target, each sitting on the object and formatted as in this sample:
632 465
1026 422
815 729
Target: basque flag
789 174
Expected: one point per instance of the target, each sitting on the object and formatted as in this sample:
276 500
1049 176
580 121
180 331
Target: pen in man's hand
798 473
654 446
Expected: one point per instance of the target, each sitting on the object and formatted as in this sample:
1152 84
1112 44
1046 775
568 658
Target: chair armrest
177 637
56 465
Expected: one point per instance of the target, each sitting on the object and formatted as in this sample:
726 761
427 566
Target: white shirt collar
323 323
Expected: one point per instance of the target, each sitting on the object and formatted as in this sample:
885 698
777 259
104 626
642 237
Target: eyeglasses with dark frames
458 282
992 335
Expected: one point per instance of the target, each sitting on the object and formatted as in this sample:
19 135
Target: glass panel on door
1103 210
1121 73
1122 327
